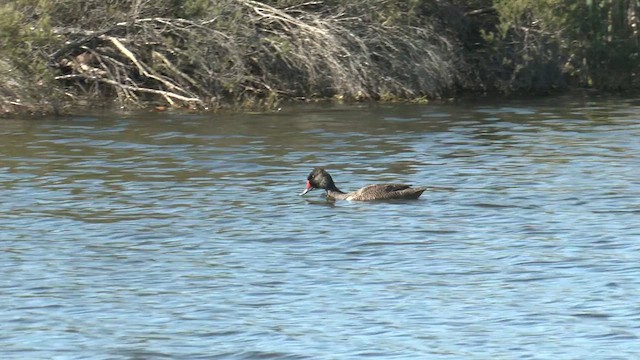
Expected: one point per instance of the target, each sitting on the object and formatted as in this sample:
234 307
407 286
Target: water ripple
183 236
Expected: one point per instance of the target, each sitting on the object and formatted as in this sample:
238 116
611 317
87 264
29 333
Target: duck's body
320 179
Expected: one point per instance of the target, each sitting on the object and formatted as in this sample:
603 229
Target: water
160 236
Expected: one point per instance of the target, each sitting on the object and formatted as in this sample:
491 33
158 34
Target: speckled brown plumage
320 179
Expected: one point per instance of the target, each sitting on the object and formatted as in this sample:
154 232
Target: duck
319 178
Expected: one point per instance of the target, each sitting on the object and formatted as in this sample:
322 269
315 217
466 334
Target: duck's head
319 179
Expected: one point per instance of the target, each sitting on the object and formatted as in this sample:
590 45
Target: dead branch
166 94
290 53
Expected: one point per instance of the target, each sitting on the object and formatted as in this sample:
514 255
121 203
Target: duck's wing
387 191
382 188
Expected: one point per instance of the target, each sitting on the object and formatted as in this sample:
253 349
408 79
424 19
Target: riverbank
245 54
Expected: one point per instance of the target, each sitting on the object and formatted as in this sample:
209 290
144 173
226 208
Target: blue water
176 236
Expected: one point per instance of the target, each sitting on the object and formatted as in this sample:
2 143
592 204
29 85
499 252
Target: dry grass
251 53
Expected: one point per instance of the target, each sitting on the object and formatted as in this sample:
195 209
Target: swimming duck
320 179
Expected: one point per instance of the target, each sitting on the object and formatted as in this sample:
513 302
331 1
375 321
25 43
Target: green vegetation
208 54
588 43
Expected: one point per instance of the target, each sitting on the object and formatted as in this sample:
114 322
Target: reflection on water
176 236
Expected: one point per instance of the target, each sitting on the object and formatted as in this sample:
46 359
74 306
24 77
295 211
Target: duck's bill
309 188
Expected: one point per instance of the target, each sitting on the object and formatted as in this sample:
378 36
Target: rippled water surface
173 236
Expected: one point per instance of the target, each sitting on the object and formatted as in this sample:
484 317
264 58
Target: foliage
593 42
21 42
244 52
604 38
212 53
26 84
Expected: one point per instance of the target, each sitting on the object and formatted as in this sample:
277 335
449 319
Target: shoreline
19 109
